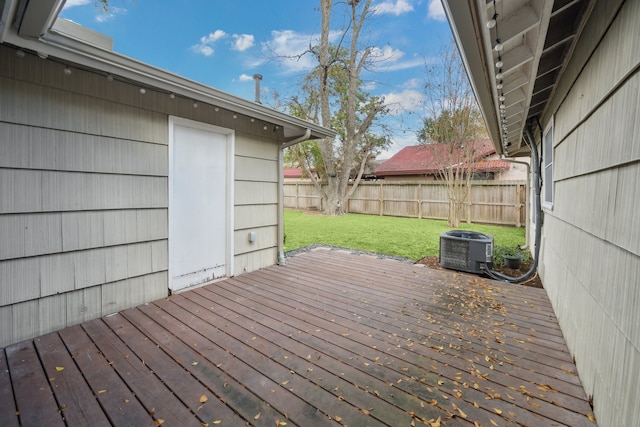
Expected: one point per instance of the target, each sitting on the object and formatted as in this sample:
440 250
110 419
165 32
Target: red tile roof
293 172
424 160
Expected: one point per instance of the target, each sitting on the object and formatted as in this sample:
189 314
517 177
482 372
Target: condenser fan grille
468 251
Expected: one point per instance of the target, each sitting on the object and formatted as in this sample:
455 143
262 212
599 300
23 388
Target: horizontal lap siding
83 198
591 251
256 203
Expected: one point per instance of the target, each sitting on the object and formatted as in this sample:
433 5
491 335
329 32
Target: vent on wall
468 251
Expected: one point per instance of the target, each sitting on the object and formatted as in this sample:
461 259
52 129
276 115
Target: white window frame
547 166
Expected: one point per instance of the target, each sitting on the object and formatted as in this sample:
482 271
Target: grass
405 237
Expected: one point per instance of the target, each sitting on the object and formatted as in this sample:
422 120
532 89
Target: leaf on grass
59 368
203 398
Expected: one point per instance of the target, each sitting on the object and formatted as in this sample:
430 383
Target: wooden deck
332 338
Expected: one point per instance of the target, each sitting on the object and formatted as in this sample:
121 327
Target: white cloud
387 53
213 37
242 42
289 47
205 47
412 83
390 59
436 11
245 78
111 14
402 102
389 7
73 3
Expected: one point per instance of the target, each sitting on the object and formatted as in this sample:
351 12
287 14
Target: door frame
229 190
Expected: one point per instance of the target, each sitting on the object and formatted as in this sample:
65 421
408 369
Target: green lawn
406 237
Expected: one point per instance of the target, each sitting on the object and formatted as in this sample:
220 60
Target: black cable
537 163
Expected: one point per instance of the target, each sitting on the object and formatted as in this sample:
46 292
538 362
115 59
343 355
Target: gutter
302 138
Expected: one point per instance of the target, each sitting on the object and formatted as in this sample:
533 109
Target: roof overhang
514 82
33 25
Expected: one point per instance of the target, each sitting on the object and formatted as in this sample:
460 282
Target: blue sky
222 43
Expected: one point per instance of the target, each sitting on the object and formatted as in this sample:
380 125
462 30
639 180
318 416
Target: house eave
516 63
68 49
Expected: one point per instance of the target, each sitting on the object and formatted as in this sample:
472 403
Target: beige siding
84 193
591 251
256 202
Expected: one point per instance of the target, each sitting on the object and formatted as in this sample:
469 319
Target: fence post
420 201
381 200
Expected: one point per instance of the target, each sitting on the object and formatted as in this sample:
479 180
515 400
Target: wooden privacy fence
491 202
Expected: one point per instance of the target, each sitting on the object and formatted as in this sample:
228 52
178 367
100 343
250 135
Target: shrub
499 251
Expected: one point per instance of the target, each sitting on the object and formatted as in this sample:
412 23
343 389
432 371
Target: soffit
515 83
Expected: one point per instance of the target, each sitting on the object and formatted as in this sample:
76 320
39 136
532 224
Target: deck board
331 338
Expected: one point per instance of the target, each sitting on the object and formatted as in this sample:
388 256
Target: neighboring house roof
38 29
293 172
532 40
426 160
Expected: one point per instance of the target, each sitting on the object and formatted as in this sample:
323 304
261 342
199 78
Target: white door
200 197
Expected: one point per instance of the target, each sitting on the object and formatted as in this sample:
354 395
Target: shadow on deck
332 338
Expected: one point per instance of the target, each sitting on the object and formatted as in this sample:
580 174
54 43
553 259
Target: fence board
491 202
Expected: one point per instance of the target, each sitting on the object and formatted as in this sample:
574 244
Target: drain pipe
304 137
537 218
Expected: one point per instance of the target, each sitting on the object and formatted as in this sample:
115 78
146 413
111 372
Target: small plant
509 251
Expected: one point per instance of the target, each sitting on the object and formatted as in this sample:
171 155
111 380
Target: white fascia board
469 39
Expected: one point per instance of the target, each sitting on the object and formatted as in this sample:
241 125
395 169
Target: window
547 166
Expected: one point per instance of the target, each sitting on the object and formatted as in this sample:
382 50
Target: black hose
537 208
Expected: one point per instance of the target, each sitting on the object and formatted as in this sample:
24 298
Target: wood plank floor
332 338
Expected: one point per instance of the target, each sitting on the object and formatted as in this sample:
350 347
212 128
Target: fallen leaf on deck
217 422
59 368
498 411
159 422
435 423
462 414
591 418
